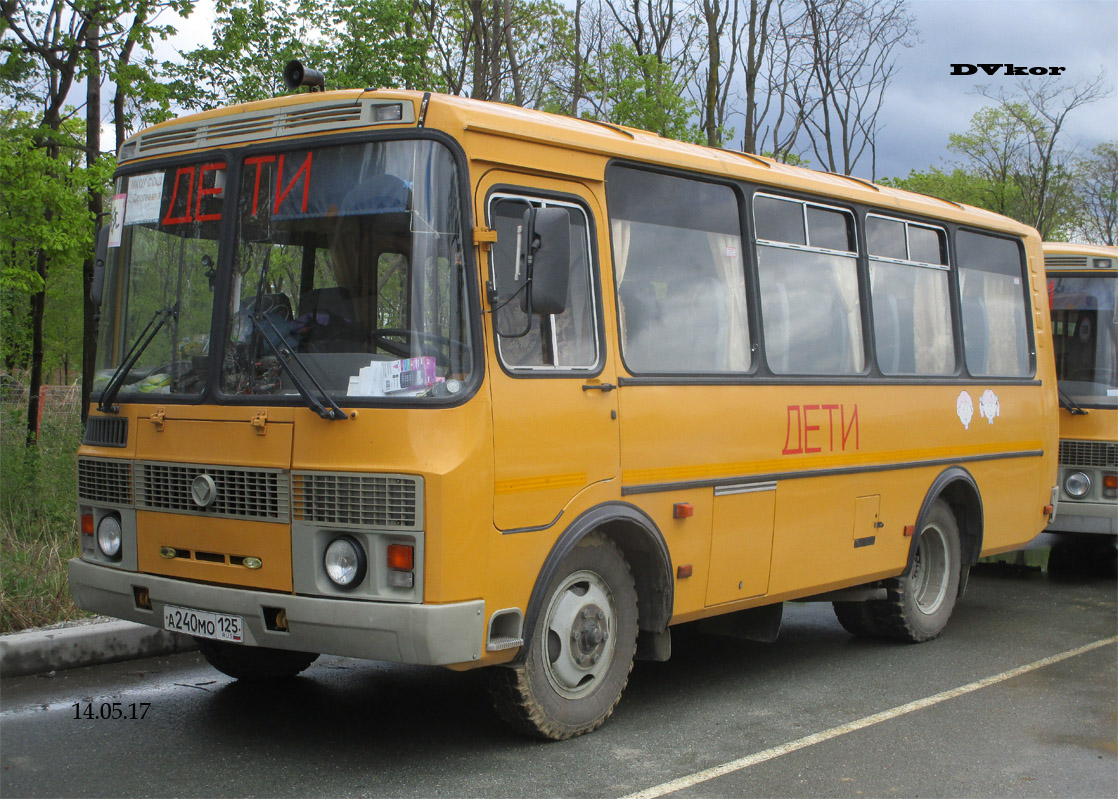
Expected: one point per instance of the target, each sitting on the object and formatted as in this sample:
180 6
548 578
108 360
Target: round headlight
1077 484
109 537
345 562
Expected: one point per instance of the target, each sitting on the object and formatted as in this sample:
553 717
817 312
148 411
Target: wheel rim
579 634
929 570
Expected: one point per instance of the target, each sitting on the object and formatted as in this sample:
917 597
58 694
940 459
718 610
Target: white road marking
868 721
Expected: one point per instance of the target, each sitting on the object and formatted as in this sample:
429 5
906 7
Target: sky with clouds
925 103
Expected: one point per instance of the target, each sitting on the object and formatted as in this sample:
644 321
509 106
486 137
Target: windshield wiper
112 388
326 407
1067 402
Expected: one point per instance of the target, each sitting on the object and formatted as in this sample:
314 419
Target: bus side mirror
547 256
100 254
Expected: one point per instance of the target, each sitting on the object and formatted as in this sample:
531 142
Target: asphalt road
1018 697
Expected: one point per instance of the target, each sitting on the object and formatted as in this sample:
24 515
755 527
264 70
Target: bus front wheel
581 652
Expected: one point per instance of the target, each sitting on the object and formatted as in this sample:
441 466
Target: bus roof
492 125
1059 255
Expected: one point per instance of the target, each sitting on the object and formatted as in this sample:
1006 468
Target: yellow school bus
1082 289
416 378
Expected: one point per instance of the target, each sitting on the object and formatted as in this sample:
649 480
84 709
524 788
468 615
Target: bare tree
721 23
774 59
852 46
1098 193
1040 108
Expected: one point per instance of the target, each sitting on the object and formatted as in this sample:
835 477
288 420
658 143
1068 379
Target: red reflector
910 530
87 524
683 510
684 571
400 557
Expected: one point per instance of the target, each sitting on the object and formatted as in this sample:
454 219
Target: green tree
44 218
1097 189
958 186
638 91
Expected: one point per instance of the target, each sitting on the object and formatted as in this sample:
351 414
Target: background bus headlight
1077 484
345 562
109 537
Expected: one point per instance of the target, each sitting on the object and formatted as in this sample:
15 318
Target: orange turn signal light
87 524
683 510
401 557
1110 481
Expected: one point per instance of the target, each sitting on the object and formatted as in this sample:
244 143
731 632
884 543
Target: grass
38 518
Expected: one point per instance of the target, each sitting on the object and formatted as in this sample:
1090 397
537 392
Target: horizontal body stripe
653 488
541 483
744 488
758 470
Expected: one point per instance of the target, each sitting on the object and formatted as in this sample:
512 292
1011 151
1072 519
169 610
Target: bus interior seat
641 308
275 305
328 322
975 331
698 311
778 330
887 331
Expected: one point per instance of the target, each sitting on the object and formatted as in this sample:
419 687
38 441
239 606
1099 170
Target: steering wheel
403 350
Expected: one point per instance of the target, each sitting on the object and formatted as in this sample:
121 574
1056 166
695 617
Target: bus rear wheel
921 600
253 663
581 652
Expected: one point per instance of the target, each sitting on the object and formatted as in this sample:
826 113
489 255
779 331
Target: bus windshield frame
1085 336
326 272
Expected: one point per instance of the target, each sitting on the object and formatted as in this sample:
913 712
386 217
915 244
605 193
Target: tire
920 601
581 651
857 619
253 663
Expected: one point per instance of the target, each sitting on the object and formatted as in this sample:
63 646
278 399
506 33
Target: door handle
598 387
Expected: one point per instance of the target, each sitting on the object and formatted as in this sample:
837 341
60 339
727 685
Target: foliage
1097 190
638 91
1010 162
38 526
43 208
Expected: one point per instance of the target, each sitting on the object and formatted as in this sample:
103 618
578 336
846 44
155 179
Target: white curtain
726 250
622 237
932 322
846 276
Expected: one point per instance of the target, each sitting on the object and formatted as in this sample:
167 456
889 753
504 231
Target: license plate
204 623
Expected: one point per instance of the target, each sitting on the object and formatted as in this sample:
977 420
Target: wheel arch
957 487
643 546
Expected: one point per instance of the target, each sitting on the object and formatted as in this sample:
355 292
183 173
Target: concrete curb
85 644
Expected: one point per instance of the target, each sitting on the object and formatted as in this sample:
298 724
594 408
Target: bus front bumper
434 635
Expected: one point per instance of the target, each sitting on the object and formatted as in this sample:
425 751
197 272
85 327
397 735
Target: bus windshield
347 276
1085 336
163 249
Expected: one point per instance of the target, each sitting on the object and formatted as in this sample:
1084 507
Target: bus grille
262 125
106 431
105 481
1065 261
260 494
1089 453
356 500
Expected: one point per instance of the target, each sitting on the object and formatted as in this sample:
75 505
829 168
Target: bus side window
679 272
810 306
910 297
995 318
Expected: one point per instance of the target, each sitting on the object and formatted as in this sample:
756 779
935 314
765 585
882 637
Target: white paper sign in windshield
144 195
